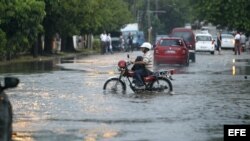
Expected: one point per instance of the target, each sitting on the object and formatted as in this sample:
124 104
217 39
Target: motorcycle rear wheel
162 85
114 85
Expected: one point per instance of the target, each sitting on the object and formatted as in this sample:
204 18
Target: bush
97 45
3 42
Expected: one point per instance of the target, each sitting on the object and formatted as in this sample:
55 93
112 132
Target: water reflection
19 136
100 133
233 70
103 132
240 67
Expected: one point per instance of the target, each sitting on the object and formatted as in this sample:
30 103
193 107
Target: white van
204 43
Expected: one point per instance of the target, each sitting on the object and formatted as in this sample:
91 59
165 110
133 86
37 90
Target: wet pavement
63 100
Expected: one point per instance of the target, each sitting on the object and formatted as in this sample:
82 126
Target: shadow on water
143 95
36 66
29 67
243 60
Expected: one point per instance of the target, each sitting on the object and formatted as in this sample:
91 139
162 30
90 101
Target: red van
189 38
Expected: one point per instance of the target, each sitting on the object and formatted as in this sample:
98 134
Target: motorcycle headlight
120 69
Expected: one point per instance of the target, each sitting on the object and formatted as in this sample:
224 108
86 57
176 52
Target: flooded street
63 100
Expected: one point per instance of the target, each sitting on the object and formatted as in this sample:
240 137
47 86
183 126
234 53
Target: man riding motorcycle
146 65
141 73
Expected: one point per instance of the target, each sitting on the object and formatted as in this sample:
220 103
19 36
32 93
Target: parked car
171 50
189 38
227 41
115 41
6 109
204 43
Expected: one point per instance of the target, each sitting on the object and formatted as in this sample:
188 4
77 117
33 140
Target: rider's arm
138 62
147 58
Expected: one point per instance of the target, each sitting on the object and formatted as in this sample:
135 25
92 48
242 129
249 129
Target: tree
76 17
162 15
21 23
2 44
226 13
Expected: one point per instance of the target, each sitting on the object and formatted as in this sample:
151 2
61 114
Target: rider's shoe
134 81
140 87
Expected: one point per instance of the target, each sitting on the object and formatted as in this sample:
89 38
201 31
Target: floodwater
63 100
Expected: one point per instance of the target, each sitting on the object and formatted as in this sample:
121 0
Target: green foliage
76 17
87 16
23 20
97 44
162 15
3 42
234 14
21 23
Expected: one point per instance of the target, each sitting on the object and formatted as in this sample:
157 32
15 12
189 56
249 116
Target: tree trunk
67 44
35 49
48 43
70 45
40 44
63 43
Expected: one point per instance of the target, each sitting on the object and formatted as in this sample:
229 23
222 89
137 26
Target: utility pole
148 12
149 21
156 11
156 6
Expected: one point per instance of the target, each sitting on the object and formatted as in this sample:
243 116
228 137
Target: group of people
239 43
126 44
106 43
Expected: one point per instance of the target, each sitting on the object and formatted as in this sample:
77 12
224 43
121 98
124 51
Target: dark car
6 109
189 37
171 50
115 41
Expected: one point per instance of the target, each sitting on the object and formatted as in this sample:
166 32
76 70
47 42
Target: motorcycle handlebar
129 63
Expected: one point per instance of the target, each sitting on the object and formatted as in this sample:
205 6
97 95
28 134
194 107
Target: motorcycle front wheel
162 85
114 85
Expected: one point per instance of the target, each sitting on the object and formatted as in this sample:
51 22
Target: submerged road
63 101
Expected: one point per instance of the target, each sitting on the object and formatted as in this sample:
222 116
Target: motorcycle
159 81
6 109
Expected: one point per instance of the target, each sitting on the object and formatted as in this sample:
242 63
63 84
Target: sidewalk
99 63
30 58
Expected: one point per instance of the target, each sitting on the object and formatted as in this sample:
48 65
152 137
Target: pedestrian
237 47
122 43
80 41
144 65
109 44
243 41
138 42
130 42
219 39
103 37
